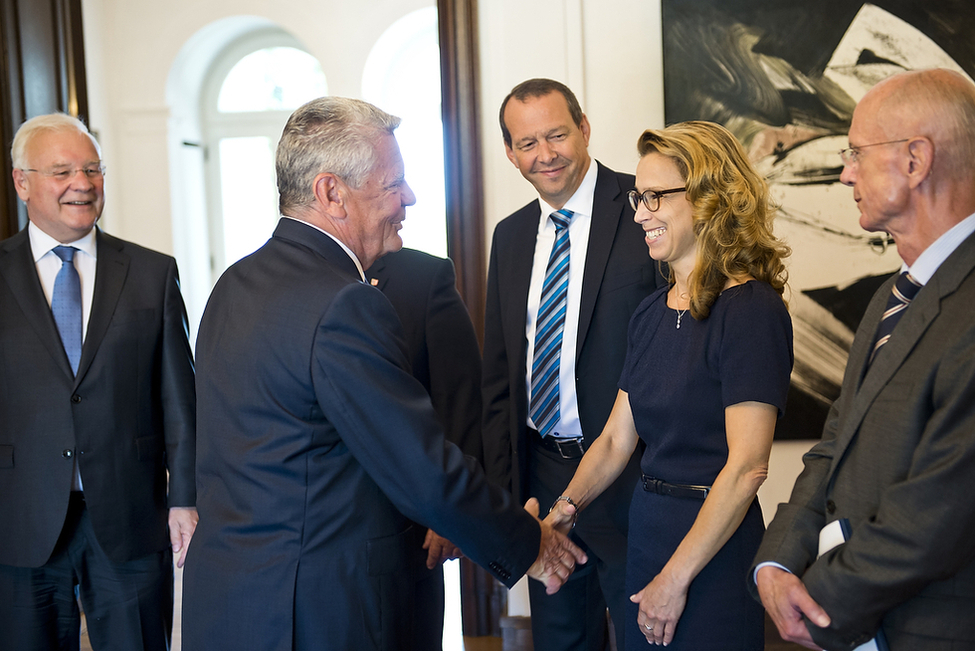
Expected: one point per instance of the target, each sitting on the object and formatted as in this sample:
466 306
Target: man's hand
439 549
557 555
182 524
787 600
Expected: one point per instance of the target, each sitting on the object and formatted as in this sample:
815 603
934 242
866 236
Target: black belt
567 448
660 487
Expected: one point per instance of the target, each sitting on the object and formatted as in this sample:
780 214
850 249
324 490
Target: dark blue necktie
66 305
903 292
544 404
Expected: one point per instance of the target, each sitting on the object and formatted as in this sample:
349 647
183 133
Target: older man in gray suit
892 479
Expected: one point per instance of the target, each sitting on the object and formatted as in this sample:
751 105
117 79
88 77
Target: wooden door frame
42 70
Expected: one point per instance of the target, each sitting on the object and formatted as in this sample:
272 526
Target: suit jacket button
76 398
67 454
831 506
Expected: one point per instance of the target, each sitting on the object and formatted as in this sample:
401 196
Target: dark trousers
574 618
128 606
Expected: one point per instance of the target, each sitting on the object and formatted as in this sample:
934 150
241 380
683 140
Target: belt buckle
568 443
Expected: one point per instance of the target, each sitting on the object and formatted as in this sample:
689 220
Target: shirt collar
931 258
580 203
41 243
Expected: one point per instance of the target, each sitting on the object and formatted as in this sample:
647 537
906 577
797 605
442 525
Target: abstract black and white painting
784 77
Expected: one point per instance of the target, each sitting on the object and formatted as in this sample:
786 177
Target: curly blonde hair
732 212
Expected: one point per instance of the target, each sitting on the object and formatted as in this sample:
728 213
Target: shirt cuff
767 564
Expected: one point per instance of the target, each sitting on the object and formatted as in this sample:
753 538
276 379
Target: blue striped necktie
66 305
544 405
903 292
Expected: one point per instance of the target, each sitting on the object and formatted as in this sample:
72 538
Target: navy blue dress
679 383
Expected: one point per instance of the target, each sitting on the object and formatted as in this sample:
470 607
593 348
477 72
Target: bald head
937 104
913 164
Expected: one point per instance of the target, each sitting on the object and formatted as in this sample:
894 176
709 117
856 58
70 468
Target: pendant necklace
680 313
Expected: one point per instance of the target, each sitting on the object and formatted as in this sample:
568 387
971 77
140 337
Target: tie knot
906 287
562 219
66 253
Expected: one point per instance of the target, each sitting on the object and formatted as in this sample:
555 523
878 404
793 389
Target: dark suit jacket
897 459
316 448
444 354
446 359
619 274
129 413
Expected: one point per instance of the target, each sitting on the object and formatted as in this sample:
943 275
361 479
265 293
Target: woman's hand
562 517
661 605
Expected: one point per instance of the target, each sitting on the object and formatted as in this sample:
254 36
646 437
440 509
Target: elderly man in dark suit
535 432
97 404
316 445
446 359
885 499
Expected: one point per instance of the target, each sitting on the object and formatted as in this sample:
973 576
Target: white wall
608 51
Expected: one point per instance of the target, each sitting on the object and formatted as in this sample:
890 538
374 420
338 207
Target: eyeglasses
650 198
90 171
851 155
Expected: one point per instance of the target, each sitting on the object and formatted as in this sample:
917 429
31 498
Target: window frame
216 125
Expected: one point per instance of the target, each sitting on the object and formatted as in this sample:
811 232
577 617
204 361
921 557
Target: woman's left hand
661 605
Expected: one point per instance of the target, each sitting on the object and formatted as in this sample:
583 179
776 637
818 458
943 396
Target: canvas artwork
784 77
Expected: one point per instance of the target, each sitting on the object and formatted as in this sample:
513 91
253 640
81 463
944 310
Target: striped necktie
66 305
903 292
544 406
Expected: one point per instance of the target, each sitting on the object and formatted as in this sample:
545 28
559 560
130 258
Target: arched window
251 89
402 77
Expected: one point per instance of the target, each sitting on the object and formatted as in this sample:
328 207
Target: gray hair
329 134
45 123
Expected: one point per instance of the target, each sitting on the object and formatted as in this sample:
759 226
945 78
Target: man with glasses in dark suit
97 412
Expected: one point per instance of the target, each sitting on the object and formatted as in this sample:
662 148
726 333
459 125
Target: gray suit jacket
897 459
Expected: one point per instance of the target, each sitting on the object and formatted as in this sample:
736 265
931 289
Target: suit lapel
516 267
915 322
607 209
18 270
111 269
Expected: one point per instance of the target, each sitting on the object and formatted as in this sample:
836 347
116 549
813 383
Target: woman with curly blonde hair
706 375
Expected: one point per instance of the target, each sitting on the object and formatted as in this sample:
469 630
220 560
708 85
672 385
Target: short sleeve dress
679 382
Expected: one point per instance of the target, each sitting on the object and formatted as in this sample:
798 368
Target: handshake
557 555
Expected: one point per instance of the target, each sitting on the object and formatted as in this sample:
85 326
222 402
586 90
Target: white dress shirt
580 204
